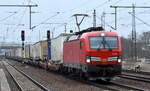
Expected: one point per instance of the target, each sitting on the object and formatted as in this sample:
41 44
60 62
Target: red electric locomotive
94 53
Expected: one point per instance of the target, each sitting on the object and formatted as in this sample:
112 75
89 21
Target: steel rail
110 86
141 72
13 78
105 87
128 86
30 78
137 78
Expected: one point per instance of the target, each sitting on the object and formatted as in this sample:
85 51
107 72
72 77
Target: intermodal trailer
57 48
39 50
27 51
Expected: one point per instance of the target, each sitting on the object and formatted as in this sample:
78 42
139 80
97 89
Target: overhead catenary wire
8 16
61 25
17 25
81 5
98 6
140 19
77 7
144 3
102 4
29 1
119 19
106 23
24 1
117 2
87 11
45 20
20 19
127 25
144 12
7 19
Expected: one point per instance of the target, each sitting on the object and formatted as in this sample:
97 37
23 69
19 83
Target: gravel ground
130 65
54 82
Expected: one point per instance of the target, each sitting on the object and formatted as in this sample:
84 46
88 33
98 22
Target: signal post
23 39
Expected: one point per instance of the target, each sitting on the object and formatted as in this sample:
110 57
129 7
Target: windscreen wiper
100 44
105 42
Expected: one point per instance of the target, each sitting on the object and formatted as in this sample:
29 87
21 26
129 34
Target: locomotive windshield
103 42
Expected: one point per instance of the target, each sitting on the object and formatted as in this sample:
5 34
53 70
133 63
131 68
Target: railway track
112 86
103 86
12 84
18 86
36 85
128 87
135 77
118 87
142 73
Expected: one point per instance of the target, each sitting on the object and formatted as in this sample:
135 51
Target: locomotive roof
90 30
97 33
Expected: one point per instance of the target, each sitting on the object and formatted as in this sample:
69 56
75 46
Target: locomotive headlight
119 60
103 34
88 59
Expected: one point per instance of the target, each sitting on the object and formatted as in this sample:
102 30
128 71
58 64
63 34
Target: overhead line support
18 5
30 12
133 23
129 6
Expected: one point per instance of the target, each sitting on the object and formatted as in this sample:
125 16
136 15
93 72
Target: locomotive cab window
103 42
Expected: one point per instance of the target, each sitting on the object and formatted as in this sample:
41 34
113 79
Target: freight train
90 53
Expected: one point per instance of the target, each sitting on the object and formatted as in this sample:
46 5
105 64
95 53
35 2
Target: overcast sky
15 19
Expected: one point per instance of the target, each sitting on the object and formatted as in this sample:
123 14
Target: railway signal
49 44
48 35
22 35
23 39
